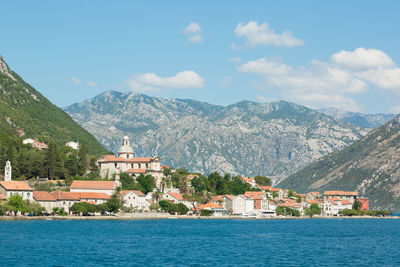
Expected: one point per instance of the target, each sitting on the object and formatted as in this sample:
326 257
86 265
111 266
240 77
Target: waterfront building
217 210
333 205
135 199
46 200
64 200
9 188
106 187
350 196
364 203
242 204
126 162
90 197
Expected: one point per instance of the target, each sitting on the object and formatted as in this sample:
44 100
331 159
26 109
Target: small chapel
125 161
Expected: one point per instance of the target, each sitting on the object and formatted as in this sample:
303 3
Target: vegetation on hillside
24 108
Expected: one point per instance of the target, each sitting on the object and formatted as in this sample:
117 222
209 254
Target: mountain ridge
246 137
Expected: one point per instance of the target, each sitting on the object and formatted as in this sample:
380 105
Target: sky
320 54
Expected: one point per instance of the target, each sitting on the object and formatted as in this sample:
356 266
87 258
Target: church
128 163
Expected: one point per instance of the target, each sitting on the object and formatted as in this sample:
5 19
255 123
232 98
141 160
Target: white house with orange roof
126 162
9 188
135 199
46 200
91 197
64 199
106 187
177 198
242 204
250 181
215 208
333 205
350 196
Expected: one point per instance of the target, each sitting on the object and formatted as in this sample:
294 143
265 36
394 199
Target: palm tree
156 196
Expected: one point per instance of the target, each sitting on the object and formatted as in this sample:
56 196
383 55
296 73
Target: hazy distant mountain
371 166
24 108
359 119
248 138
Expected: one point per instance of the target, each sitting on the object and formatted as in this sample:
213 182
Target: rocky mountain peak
5 69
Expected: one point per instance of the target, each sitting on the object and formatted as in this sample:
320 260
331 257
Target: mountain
248 138
359 119
24 108
371 166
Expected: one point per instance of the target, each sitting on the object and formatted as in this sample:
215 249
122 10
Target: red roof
164 166
176 195
133 160
59 195
229 196
90 202
209 205
92 185
136 171
254 195
275 189
265 187
112 158
43 196
216 198
16 185
139 193
89 195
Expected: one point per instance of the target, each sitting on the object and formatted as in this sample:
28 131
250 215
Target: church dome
125 148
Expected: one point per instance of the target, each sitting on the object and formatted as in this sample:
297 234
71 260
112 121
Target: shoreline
165 216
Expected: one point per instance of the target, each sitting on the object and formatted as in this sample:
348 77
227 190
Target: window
28 194
115 165
127 156
132 166
140 166
147 165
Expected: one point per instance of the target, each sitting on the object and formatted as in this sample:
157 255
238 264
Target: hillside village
254 200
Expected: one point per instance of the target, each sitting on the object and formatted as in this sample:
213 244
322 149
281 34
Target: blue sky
316 53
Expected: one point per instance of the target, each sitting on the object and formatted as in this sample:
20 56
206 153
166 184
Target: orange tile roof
125 192
164 166
89 195
302 195
254 195
340 193
2 197
59 195
16 185
216 198
229 196
139 193
146 159
92 184
43 196
209 205
275 189
312 201
345 202
191 176
90 202
265 187
136 171
176 195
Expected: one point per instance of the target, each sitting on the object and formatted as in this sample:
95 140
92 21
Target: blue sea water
168 242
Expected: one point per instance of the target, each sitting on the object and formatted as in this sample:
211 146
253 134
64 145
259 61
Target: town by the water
141 187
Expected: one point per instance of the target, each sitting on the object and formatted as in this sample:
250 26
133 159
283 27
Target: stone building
126 162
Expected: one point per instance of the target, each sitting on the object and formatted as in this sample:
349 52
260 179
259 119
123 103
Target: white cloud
193 32
75 80
264 66
385 78
151 82
192 28
195 39
362 58
263 35
264 99
91 84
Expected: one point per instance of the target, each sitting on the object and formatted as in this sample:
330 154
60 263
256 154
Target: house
73 145
46 200
250 181
228 202
35 143
265 187
64 200
350 196
91 197
126 162
177 198
364 203
306 203
279 191
135 199
20 133
242 204
9 188
269 206
217 209
106 187
313 195
257 197
333 205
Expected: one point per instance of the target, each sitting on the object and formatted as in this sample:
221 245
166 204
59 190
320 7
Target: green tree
16 203
314 209
82 162
181 208
262 180
115 203
281 210
206 212
147 182
357 205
